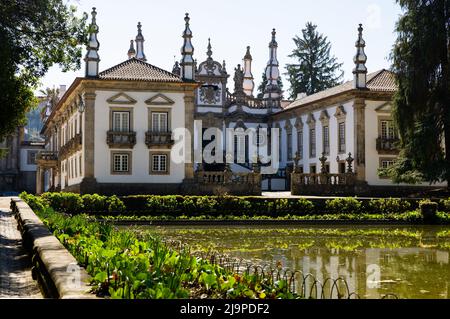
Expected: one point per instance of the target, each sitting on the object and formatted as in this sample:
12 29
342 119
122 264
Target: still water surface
410 262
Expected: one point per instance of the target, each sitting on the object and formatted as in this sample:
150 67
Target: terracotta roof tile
137 70
382 80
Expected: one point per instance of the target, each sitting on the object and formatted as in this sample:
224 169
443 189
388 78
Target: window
386 163
341 137
313 169
289 146
312 142
159 163
326 140
300 143
121 163
387 130
31 157
159 122
121 121
79 161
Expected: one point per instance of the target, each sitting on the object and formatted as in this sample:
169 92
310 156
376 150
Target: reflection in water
410 262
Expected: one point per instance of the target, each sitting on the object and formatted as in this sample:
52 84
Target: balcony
387 146
47 159
158 139
71 147
121 139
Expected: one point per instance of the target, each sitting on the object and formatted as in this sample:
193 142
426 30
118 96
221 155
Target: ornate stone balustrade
47 159
228 182
72 146
121 139
323 183
158 139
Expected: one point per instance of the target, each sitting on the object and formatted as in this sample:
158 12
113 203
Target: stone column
189 125
88 136
359 117
40 180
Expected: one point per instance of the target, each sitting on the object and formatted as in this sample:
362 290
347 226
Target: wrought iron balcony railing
158 139
387 145
121 139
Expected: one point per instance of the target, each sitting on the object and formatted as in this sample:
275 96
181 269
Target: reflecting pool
410 262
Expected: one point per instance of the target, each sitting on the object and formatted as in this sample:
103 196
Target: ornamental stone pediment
159 99
384 108
121 98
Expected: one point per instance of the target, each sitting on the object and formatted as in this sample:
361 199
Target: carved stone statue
238 79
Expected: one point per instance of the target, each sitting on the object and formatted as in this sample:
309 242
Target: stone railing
121 139
244 99
158 139
387 146
72 146
47 156
55 269
322 183
228 182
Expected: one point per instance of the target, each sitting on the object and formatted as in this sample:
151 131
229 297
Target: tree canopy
420 58
34 35
315 69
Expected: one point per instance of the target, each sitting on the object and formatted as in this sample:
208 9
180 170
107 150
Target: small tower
272 92
360 59
248 84
187 51
131 51
140 44
92 58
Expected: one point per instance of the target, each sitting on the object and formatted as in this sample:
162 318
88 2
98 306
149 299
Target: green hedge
177 205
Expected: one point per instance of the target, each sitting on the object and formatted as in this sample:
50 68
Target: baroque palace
114 131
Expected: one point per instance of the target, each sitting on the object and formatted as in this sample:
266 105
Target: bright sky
234 24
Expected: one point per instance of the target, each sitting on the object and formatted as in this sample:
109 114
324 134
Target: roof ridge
133 59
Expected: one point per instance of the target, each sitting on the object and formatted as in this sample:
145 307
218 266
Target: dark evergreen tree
263 85
34 35
315 69
420 59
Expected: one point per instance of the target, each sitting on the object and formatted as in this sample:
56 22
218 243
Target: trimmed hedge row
177 205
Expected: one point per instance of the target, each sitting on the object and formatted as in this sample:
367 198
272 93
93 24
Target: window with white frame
160 122
159 163
386 163
312 142
326 140
289 146
120 163
121 121
387 130
300 143
341 137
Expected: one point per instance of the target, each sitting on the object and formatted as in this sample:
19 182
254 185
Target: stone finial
360 59
140 44
187 51
92 58
248 84
131 51
272 91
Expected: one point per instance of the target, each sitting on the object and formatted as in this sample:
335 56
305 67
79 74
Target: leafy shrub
388 206
115 204
445 205
68 203
348 205
94 203
36 203
428 210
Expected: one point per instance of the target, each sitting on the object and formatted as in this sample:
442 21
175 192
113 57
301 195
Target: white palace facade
117 131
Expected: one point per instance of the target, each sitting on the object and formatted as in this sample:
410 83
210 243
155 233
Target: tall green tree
314 69
263 84
420 59
34 35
